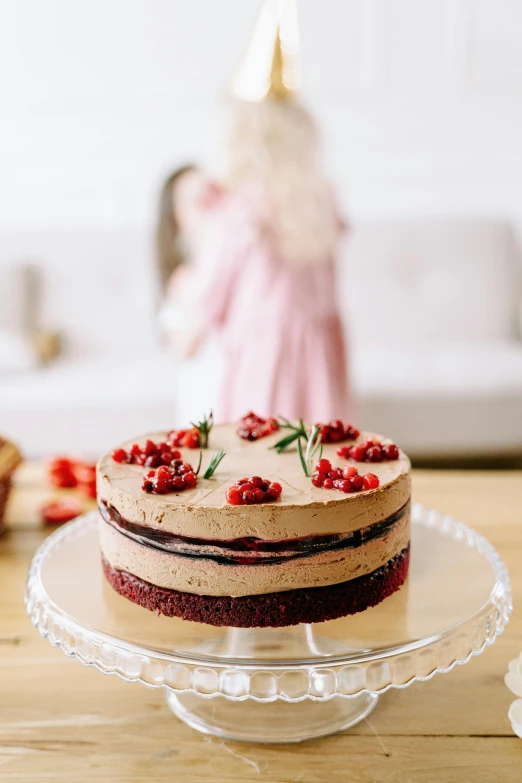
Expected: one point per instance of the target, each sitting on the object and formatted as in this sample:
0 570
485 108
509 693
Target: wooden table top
60 721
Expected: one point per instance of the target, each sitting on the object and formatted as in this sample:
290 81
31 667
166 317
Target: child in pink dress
263 278
281 334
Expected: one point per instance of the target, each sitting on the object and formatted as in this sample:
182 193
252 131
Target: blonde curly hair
273 149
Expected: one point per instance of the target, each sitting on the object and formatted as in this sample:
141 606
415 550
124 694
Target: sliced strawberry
87 488
64 480
84 472
57 512
60 473
60 464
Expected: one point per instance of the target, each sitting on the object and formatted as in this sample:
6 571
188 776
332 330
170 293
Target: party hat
271 65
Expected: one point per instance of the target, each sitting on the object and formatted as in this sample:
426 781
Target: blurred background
421 112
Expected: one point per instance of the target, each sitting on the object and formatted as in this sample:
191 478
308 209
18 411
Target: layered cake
260 523
9 459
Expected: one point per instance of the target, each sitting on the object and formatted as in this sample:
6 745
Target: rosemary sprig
302 458
203 427
199 463
313 445
214 462
296 432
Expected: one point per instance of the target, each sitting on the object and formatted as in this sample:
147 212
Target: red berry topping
175 437
356 482
391 451
191 440
253 427
274 490
370 481
178 483
161 486
151 455
188 438
349 471
336 431
149 448
323 466
170 478
374 454
346 480
358 453
248 491
234 496
370 450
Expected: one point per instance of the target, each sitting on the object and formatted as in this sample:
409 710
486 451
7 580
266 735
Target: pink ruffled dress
279 326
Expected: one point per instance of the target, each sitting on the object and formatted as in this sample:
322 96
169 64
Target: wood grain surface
60 721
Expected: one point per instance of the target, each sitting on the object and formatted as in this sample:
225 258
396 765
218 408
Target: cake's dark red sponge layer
307 605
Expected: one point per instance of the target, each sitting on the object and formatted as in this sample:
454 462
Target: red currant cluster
371 450
248 491
344 479
336 431
173 478
151 455
253 427
188 438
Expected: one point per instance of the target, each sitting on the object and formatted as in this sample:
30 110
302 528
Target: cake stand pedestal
271 684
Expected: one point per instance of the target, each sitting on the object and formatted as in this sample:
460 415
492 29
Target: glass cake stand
277 685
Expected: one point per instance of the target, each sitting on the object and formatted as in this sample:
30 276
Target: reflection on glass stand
290 718
278 685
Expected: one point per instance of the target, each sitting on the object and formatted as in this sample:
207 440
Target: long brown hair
168 252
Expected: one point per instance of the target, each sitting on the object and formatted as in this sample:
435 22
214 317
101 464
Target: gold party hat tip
272 63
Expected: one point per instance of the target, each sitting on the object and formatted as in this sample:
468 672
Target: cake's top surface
9 457
302 509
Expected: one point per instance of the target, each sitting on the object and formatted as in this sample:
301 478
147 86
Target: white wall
420 101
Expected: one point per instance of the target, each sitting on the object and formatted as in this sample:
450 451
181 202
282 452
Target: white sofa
431 308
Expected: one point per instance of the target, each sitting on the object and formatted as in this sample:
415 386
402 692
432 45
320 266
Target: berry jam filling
336 431
253 427
248 550
173 478
344 479
248 491
370 450
151 455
